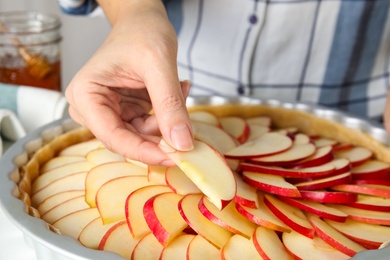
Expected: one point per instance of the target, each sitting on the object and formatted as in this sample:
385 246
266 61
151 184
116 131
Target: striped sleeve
77 7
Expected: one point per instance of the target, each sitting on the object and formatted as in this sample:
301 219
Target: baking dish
50 245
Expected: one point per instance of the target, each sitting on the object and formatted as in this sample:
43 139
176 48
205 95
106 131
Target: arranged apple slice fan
248 190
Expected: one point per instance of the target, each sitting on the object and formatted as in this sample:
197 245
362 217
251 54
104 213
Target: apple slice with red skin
156 210
176 179
367 189
263 216
189 210
236 126
372 169
270 183
228 218
342 146
134 208
269 245
370 203
92 234
111 197
356 155
365 216
323 141
334 238
147 247
239 247
302 247
316 209
178 247
213 136
264 145
201 248
246 194
321 156
317 171
370 236
294 154
204 117
118 240
326 182
103 173
207 169
291 216
324 196
156 174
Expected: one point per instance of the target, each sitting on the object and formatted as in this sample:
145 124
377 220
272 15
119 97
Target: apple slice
356 155
259 120
156 174
103 173
204 117
111 197
300 138
334 238
322 155
317 209
103 155
262 216
370 203
302 247
239 247
291 216
58 199
70 182
147 247
207 169
213 136
372 169
60 161
228 218
266 144
91 235
255 131
73 223
43 180
156 210
200 248
81 149
178 181
294 154
324 196
216 235
317 171
366 189
236 126
134 208
64 209
323 141
268 244
368 235
365 216
326 182
177 249
270 183
246 194
118 240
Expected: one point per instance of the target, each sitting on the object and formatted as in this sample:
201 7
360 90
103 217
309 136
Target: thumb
169 107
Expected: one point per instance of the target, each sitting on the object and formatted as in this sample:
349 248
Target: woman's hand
133 72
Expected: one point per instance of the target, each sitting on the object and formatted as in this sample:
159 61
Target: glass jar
30 49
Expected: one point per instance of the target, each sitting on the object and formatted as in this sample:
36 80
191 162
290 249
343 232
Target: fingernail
181 138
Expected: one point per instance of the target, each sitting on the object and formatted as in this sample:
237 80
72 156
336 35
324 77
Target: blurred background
82 35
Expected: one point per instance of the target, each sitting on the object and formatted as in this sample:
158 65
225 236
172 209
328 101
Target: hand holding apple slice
207 169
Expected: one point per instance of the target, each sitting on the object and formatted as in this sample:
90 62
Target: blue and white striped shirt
329 52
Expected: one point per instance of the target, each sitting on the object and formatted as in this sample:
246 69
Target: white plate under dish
48 245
